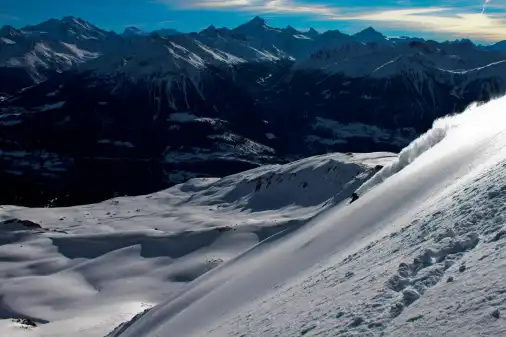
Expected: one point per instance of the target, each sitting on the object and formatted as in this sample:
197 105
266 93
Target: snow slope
81 271
421 254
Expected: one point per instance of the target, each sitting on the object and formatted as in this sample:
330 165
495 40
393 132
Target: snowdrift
429 235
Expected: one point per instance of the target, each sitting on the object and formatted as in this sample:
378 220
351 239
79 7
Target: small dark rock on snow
356 322
26 321
462 268
450 279
410 295
496 313
499 235
414 319
24 223
396 309
307 329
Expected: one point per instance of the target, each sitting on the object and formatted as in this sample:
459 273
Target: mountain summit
290 30
9 31
257 21
370 35
133 31
68 28
254 27
312 32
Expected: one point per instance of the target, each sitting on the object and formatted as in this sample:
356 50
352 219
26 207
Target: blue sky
437 19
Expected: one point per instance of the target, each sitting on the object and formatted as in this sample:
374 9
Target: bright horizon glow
483 21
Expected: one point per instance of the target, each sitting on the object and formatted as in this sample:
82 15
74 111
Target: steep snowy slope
81 271
420 254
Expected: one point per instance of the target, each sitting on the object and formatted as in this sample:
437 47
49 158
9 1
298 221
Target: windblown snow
279 250
436 134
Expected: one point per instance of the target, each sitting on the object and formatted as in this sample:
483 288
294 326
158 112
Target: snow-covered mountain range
79 101
279 250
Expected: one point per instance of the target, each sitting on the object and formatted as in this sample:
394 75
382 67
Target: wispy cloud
283 6
258 6
219 3
479 26
461 21
7 17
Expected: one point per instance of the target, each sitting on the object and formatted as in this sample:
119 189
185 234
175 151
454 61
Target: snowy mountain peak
67 28
9 31
71 20
133 31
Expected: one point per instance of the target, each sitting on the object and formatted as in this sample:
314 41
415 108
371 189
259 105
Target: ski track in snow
421 254
87 269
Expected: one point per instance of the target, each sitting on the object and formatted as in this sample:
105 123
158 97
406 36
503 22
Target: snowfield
87 269
278 250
